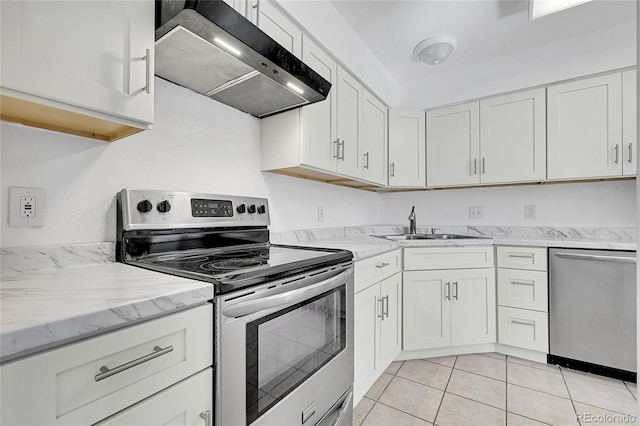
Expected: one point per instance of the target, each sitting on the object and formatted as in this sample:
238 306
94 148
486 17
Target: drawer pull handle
522 255
207 416
382 265
381 316
106 372
147 58
519 282
530 323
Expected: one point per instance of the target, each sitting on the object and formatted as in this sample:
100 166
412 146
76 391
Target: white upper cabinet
270 19
453 152
239 5
584 128
348 123
93 58
513 137
406 148
629 123
373 143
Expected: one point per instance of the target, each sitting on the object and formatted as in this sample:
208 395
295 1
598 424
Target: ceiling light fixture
539 8
435 49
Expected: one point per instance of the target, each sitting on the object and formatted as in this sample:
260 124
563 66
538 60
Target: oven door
285 349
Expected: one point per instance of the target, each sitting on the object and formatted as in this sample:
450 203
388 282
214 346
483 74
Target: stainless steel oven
286 351
284 314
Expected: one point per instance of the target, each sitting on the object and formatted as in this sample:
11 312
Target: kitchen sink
402 237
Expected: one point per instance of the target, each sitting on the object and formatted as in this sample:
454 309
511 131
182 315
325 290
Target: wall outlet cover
529 211
320 213
475 212
27 206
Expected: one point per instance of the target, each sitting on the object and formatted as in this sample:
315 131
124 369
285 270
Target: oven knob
262 209
144 206
251 208
241 208
163 206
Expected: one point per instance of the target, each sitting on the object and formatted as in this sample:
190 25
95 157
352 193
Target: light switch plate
27 206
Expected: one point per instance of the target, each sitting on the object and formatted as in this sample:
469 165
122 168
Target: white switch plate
27 206
475 212
320 213
529 211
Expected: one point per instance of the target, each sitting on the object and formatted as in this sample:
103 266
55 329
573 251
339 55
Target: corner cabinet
93 78
377 318
373 141
585 128
448 307
406 148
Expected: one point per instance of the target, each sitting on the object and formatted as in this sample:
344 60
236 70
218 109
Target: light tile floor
493 389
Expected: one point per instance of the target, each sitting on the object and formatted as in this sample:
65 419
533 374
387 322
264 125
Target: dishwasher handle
596 257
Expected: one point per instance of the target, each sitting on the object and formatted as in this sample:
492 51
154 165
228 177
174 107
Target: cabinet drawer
374 269
182 403
533 258
421 258
85 382
519 288
523 328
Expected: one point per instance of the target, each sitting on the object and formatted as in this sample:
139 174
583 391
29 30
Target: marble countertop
46 308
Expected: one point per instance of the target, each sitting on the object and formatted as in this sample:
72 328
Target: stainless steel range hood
210 48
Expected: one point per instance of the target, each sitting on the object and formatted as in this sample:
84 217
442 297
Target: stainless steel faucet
412 220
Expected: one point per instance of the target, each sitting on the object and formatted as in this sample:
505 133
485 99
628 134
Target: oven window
287 347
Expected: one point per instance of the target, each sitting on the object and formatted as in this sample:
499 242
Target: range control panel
153 209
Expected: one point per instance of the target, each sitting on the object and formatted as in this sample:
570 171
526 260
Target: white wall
586 204
323 21
196 144
593 53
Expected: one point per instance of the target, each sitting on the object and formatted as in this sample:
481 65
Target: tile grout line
629 389
590 404
573 404
444 392
529 418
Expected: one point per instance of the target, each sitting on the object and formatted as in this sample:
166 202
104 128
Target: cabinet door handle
530 323
382 265
521 282
341 144
385 312
207 416
393 169
483 169
106 372
447 295
455 290
147 58
617 149
522 255
381 315
366 160
475 166
337 144
630 159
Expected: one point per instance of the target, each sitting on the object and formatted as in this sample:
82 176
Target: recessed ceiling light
435 49
538 8
227 46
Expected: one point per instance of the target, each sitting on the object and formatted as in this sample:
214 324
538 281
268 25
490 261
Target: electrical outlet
26 206
320 213
529 211
475 212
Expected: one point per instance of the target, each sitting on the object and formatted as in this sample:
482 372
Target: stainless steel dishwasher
592 311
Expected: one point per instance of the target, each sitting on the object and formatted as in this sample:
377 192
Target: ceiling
485 29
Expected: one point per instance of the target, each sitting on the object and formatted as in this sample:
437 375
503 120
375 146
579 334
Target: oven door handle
248 307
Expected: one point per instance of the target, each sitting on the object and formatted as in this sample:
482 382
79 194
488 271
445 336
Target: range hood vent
211 49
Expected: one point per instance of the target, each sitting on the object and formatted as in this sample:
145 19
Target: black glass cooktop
231 269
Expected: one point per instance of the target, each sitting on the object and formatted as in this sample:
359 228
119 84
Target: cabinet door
319 119
391 323
453 145
348 121
473 307
239 5
373 143
425 310
629 122
88 54
185 403
406 148
584 128
278 26
367 304
513 138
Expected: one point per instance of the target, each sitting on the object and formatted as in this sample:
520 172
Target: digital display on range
211 208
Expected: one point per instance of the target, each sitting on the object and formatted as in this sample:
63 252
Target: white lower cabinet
523 298
88 381
187 403
377 323
448 308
